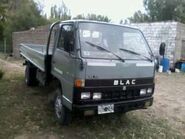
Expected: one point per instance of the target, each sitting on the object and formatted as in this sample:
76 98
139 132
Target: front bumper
122 106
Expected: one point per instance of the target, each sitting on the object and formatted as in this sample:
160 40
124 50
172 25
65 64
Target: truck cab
100 67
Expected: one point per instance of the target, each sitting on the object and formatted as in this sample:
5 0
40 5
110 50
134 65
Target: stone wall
159 32
37 36
180 38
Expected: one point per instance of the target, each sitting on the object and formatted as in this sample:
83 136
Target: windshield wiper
135 53
104 49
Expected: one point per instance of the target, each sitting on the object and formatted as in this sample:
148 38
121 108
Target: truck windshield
123 42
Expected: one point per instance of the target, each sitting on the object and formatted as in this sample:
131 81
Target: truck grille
123 95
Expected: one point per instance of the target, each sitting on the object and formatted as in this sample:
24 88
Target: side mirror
162 49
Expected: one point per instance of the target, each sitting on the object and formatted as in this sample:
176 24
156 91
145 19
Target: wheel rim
58 107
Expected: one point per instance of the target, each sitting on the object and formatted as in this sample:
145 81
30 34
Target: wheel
62 114
30 75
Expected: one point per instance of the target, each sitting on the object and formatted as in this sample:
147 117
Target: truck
96 68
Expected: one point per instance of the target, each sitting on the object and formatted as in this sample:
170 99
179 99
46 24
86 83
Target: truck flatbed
35 53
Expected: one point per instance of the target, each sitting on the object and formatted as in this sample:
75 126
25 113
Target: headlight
85 95
149 90
97 95
143 92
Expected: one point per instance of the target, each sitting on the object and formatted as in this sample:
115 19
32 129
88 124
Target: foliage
20 15
139 17
93 17
2 19
161 10
60 13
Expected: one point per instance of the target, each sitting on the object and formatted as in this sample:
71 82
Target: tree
161 10
2 19
21 15
80 16
139 17
60 13
93 17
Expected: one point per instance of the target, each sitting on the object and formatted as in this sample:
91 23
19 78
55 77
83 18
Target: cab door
63 63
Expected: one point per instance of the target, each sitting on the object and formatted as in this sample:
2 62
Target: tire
62 113
30 75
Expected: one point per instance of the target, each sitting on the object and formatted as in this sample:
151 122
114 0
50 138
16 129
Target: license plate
109 108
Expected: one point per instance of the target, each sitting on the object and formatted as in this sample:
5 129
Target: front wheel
62 114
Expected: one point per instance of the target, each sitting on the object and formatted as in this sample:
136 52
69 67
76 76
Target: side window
66 38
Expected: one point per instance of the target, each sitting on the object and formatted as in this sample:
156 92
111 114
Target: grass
25 110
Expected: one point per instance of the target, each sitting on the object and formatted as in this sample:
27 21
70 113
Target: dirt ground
169 105
170 99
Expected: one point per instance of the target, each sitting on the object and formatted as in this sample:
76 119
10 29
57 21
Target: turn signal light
79 83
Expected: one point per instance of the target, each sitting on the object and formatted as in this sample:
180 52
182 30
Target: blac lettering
127 82
133 81
121 82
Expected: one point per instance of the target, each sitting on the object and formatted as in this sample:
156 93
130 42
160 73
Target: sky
114 9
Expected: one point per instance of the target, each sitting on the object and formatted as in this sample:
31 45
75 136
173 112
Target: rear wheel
30 75
62 114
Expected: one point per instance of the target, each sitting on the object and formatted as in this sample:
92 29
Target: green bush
1 73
